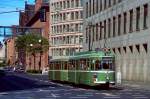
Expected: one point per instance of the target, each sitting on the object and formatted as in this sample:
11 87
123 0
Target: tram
91 68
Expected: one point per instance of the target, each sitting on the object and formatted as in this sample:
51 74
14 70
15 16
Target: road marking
112 97
85 95
141 97
54 95
137 95
77 97
108 94
3 93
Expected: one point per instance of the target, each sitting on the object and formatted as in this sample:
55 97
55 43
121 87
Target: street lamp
40 41
30 56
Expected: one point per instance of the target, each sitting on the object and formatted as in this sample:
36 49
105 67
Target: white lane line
108 94
137 95
78 97
54 95
141 97
112 97
85 95
3 93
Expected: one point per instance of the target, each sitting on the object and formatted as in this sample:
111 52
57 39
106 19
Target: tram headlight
95 77
107 76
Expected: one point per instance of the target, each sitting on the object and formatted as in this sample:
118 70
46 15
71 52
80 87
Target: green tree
24 42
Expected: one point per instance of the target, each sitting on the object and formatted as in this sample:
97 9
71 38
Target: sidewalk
139 85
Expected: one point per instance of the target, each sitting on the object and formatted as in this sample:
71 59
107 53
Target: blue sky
11 5
9 19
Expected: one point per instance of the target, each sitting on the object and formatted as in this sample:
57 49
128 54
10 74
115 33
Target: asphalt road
23 86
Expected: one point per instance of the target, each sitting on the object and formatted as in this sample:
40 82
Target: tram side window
65 66
83 65
57 66
71 65
77 65
51 66
92 65
98 65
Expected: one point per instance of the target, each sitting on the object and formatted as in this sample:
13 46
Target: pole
89 39
40 60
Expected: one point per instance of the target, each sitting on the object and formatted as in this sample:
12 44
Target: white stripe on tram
104 71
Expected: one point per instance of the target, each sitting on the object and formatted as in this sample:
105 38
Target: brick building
36 17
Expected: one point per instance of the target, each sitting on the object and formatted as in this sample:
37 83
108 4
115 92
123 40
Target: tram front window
107 64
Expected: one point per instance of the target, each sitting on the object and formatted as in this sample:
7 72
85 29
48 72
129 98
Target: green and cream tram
89 68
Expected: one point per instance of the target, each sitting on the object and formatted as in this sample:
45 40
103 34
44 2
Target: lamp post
31 45
40 41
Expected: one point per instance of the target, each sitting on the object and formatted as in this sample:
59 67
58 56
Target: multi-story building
122 26
36 16
66 27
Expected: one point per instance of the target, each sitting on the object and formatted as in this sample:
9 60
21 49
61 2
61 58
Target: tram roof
92 54
59 59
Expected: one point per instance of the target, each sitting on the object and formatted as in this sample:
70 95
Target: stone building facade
123 27
66 26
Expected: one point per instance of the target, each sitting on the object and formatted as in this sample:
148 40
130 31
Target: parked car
45 71
2 73
19 70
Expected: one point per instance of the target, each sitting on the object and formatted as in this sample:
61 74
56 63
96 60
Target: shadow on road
99 88
13 83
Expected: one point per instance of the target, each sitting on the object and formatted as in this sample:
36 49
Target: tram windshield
105 63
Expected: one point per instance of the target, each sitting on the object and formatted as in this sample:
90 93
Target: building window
90 8
93 31
68 4
86 9
64 3
109 27
81 14
145 16
97 6
105 4
60 5
101 5
93 6
114 2
119 1
77 15
72 3
114 26
72 15
86 39
77 3
119 25
145 47
138 48
97 32
100 31
109 3
131 21
137 18
125 22
105 29
131 48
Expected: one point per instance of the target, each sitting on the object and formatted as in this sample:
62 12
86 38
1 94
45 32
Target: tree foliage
24 42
